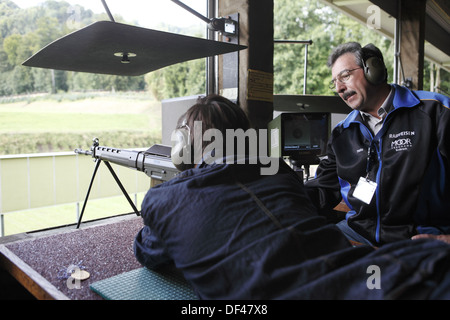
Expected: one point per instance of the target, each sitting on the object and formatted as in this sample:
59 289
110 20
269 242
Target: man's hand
441 237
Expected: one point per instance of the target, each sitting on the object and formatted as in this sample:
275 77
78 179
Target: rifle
154 162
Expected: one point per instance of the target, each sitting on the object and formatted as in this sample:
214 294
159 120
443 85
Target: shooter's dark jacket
213 223
411 166
210 222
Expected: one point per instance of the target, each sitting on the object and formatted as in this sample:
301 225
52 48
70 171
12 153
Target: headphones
181 153
374 70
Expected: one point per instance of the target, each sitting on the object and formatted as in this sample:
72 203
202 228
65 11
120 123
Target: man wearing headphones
389 159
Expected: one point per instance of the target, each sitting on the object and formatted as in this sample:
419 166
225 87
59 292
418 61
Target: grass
56 216
57 123
19 143
63 122
23 122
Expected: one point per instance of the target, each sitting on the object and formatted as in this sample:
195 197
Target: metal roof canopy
108 47
437 24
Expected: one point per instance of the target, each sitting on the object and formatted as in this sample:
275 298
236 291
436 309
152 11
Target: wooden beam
37 285
255 63
412 39
340 3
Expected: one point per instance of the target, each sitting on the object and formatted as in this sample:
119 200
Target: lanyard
365 188
370 161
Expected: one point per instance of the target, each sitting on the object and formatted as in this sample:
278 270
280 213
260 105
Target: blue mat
145 284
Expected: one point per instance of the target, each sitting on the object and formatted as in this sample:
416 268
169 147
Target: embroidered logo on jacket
402 140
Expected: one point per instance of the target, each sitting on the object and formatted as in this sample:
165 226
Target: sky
148 13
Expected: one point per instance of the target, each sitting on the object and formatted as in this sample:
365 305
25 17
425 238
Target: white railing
32 181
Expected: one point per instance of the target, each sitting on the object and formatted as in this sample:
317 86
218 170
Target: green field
62 215
54 123
63 122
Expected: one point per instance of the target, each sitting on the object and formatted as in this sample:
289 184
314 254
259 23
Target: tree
11 47
179 80
25 31
311 20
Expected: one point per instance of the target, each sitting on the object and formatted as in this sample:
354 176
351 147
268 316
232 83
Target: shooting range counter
40 261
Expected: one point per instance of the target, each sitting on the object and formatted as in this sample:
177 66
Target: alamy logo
374 280
374 19
72 281
74 20
235 141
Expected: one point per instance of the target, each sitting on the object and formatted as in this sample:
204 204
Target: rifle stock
154 162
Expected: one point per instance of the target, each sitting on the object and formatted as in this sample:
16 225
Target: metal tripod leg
122 188
88 192
118 182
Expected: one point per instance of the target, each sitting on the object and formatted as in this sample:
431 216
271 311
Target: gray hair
361 53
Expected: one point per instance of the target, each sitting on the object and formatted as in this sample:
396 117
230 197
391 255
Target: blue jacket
410 164
235 234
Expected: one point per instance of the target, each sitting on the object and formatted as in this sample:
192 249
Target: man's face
353 88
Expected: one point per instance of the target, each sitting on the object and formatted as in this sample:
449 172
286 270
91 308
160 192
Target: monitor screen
304 136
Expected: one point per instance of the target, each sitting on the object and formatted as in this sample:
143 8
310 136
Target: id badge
365 190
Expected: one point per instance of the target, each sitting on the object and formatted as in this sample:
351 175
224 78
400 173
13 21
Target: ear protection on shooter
181 153
374 70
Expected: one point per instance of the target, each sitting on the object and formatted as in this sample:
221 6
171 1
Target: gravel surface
103 251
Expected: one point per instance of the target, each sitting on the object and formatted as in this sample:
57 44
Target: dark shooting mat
145 284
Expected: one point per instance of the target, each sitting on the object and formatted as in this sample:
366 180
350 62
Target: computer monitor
300 136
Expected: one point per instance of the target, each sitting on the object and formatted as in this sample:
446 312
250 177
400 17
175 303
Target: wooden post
255 63
412 38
